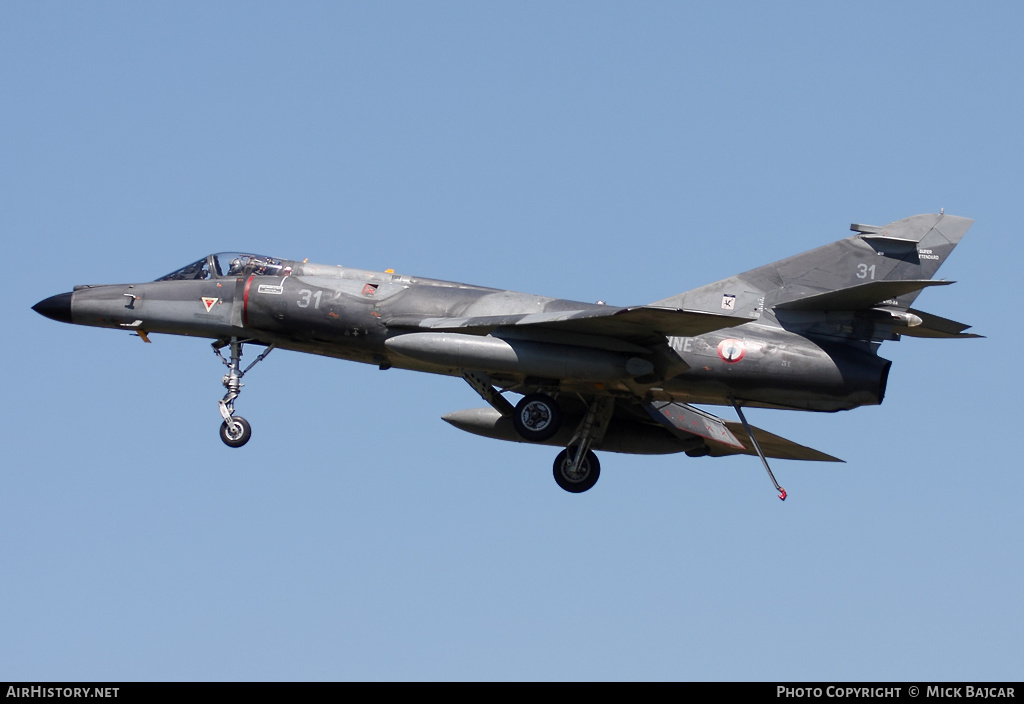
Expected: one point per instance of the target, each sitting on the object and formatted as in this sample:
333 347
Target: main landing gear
574 473
577 467
235 431
537 417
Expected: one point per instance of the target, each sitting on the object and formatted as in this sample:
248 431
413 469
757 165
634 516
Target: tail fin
879 266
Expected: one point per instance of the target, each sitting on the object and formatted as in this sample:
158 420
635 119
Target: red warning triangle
209 302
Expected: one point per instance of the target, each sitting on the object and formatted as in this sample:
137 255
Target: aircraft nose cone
55 307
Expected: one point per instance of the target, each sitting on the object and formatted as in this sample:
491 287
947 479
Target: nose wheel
235 431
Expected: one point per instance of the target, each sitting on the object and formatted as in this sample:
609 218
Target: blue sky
591 150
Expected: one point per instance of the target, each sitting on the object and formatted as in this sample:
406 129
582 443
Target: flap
681 417
728 437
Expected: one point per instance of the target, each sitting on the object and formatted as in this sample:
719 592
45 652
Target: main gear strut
577 468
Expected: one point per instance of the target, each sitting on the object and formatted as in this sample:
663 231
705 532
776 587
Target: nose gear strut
235 431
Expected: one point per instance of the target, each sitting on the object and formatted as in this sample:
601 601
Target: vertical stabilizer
907 250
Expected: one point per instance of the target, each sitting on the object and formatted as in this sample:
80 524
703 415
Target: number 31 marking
308 295
864 271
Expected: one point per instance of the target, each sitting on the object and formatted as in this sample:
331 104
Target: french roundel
731 351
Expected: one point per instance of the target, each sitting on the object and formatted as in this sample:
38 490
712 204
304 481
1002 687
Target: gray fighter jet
802 333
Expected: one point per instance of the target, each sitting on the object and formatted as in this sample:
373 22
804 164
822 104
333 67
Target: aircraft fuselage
352 314
800 333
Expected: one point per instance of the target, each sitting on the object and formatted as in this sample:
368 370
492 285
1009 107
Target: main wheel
537 417
237 433
581 480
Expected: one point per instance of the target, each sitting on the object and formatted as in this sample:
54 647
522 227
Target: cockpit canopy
230 264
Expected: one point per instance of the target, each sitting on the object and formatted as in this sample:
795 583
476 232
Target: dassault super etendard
802 333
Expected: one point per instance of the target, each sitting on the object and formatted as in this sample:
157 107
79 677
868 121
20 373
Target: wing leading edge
638 324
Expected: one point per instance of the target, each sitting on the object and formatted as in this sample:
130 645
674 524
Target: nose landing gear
235 431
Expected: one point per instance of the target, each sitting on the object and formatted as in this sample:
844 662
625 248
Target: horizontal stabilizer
640 324
932 326
860 297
